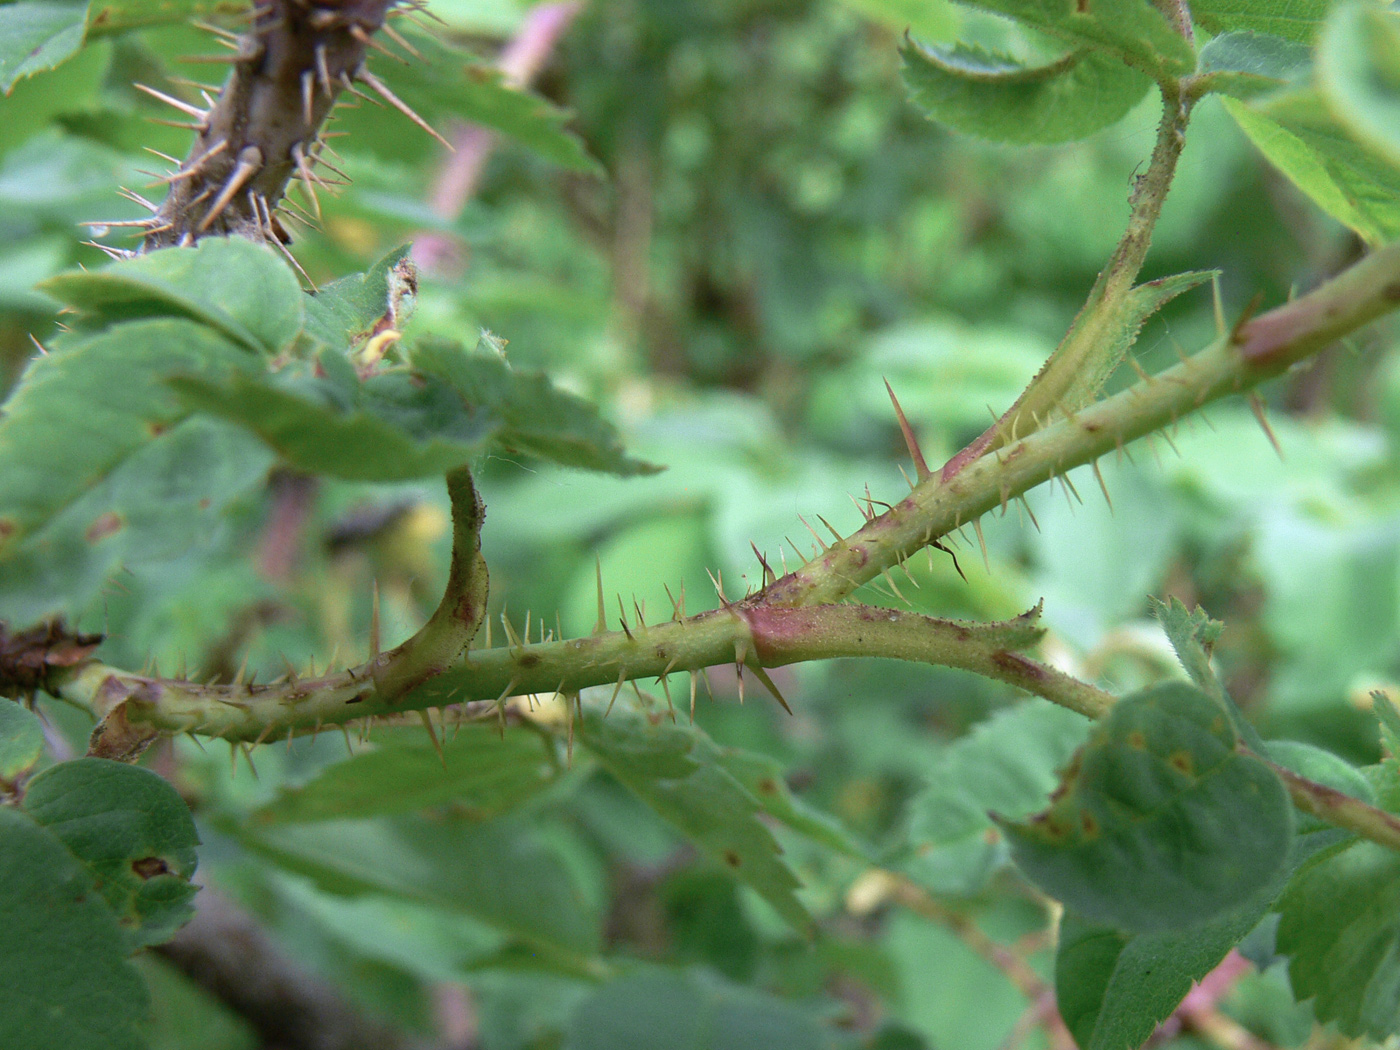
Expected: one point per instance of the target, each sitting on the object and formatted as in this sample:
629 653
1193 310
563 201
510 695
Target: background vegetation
767 230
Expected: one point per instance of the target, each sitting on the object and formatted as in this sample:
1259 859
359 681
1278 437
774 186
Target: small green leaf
345 311
1358 71
1245 64
82 410
21 741
1008 765
697 1012
134 833
36 35
677 772
1193 635
998 98
67 983
480 773
1296 20
1161 823
498 872
241 289
1299 136
1340 927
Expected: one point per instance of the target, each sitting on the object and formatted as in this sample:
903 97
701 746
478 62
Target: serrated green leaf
448 84
1008 765
1297 20
21 741
762 777
1193 635
67 983
480 774
36 35
1089 353
536 417
345 311
321 438
241 289
1160 823
498 872
134 833
1245 64
1340 927
1358 72
1132 30
164 499
1298 135
79 412
998 98
677 772
697 1012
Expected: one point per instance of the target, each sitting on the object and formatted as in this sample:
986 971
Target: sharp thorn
910 442
365 76
249 162
1256 404
427 720
170 100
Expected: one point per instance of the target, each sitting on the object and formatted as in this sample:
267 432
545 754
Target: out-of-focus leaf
21 741
449 85
480 774
1160 823
1114 987
1350 182
321 438
678 773
1358 67
1129 29
697 1012
164 500
67 983
1245 64
80 412
996 97
1297 20
240 289
134 833
536 417
1340 928
497 872
1007 765
120 16
36 35
762 777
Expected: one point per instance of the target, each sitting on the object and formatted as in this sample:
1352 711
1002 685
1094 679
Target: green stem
1102 332
1340 810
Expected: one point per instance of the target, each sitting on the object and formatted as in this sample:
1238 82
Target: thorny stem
1093 346
287 72
1256 351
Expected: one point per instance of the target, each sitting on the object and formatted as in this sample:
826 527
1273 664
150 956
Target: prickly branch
264 128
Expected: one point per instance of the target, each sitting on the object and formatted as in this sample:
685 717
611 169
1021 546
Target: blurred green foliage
776 230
